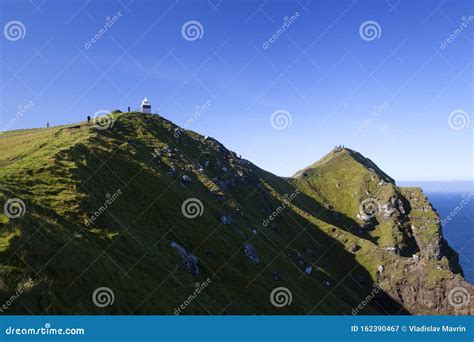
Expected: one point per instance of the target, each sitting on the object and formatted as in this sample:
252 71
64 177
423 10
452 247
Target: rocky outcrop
426 282
421 292
408 253
190 261
251 253
425 225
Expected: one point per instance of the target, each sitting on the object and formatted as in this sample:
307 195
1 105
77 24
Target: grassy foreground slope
104 208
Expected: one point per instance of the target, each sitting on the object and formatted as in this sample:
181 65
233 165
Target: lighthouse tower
146 106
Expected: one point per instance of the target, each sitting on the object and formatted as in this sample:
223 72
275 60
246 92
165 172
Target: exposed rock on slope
150 210
416 266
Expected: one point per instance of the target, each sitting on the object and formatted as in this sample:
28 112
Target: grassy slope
65 173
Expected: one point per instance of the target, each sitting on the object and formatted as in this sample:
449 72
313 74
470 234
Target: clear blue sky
319 70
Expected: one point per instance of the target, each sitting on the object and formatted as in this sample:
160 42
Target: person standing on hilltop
47 125
88 119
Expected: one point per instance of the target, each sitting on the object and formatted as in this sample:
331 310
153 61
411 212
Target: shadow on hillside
83 266
329 252
332 217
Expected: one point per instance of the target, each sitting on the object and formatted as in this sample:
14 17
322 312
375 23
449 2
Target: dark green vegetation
146 167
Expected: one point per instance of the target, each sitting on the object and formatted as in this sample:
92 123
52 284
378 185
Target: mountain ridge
366 162
66 174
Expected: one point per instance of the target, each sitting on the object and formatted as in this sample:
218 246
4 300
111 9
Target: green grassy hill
104 208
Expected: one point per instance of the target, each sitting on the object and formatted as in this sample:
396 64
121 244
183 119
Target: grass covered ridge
66 174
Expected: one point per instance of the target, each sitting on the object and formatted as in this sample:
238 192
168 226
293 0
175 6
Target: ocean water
454 200
459 230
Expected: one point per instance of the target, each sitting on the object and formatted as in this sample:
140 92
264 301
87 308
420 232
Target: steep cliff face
150 210
407 252
432 281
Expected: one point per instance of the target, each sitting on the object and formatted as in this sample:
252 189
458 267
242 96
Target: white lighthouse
146 106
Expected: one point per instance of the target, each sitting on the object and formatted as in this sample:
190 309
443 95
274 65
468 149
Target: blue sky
389 98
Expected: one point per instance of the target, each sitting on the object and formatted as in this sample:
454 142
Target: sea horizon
441 185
